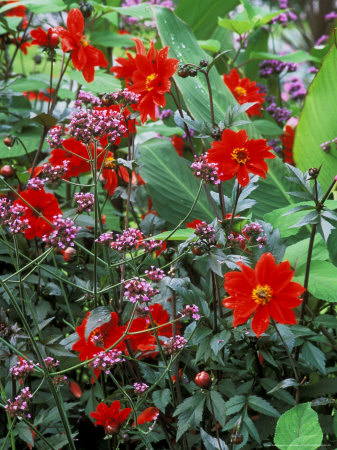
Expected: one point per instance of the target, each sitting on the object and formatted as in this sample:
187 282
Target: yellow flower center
84 42
239 90
148 81
262 294
240 155
110 163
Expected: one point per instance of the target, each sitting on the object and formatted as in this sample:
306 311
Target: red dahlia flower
111 418
84 56
148 415
150 74
287 139
265 292
47 39
44 203
75 153
245 91
237 155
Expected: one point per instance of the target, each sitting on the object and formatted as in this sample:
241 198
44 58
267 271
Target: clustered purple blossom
322 40
64 234
86 98
252 230
312 69
174 345
123 97
51 363
330 16
285 17
106 360
262 88
270 67
155 274
165 114
54 137
60 380
208 172
279 114
326 146
191 311
236 240
276 144
151 245
262 240
85 202
19 407
10 216
22 369
184 136
128 240
140 388
295 88
48 174
137 290
205 232
133 20
106 237
86 125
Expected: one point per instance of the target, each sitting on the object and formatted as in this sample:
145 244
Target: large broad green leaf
317 123
202 15
111 39
298 428
172 185
322 280
37 6
30 137
296 254
103 82
184 47
295 57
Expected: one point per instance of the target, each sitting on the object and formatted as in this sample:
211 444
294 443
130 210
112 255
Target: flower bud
111 429
236 438
197 251
193 73
203 63
7 171
183 73
9 141
69 254
37 59
313 173
86 9
203 380
216 134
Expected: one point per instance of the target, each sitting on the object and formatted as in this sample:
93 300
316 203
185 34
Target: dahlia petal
75 22
282 315
88 73
260 320
243 176
139 46
264 269
286 300
123 415
144 66
243 313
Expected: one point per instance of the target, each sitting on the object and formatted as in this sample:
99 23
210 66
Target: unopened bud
313 173
203 63
7 171
203 380
86 9
216 134
9 141
193 73
183 73
69 254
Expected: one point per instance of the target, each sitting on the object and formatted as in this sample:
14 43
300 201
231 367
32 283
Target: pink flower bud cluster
174 345
137 290
85 202
87 98
122 97
107 360
140 388
129 240
60 380
54 138
11 216
64 234
155 274
19 407
22 369
208 172
50 362
48 174
191 311
205 232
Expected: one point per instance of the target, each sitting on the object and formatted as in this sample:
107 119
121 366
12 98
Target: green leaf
184 47
298 428
295 57
202 15
46 120
172 185
25 433
237 26
296 254
219 406
262 406
211 443
161 399
180 235
29 136
190 413
235 404
97 318
105 39
103 82
29 83
142 11
317 124
269 384
38 7
313 356
322 280
267 127
251 428
211 45
284 384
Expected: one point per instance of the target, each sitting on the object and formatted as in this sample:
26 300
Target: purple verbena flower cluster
105 238
270 67
285 17
129 240
252 230
140 388
236 240
86 98
22 369
10 216
322 40
51 363
205 232
48 174
151 245
295 88
155 274
174 345
165 114
191 311
123 97
106 360
330 16
19 407
54 137
279 114
64 234
137 290
208 172
262 240
60 380
85 202
86 125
